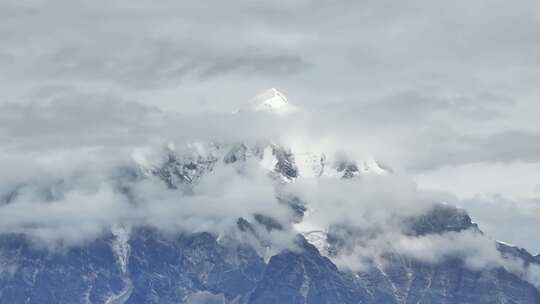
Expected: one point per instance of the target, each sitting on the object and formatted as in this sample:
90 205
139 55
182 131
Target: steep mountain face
440 219
182 268
449 281
144 264
306 277
88 274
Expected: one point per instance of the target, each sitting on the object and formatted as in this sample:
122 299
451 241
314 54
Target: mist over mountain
229 220
269 151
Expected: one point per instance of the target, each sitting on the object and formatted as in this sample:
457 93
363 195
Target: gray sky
446 91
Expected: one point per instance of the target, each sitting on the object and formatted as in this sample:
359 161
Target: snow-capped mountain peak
273 101
370 165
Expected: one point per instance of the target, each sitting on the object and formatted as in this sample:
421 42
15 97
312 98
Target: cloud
70 209
521 218
444 89
371 202
167 63
511 146
477 251
78 216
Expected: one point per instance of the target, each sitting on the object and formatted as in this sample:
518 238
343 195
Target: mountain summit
273 101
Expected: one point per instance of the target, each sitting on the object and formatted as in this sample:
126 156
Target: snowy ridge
196 158
191 163
319 239
507 244
272 100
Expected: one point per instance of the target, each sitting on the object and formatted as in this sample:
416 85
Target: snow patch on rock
120 246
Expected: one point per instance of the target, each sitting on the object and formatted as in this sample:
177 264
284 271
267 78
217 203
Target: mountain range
301 251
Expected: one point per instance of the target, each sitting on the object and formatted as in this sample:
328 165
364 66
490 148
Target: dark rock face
449 281
306 277
161 269
285 163
509 251
168 270
198 268
349 169
177 170
440 218
180 170
79 275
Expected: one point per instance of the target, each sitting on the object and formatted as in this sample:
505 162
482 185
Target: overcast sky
446 91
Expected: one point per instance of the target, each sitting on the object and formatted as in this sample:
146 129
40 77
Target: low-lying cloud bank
84 205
